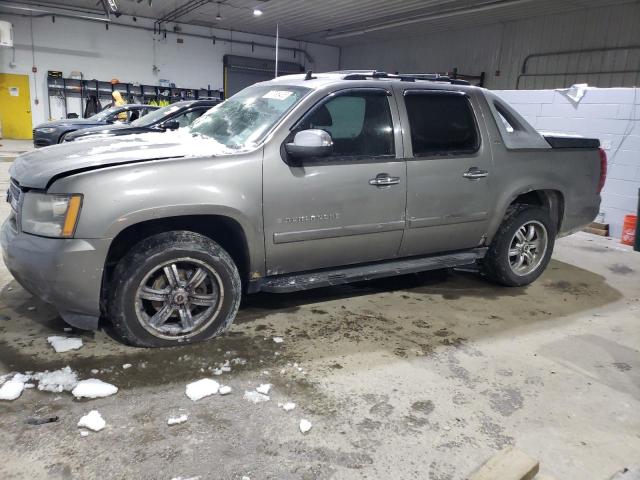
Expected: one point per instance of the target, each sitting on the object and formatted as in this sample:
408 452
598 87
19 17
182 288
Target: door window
187 118
359 123
442 123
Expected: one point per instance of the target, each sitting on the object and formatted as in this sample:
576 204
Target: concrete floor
414 377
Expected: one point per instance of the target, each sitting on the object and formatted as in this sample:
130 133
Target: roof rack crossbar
405 77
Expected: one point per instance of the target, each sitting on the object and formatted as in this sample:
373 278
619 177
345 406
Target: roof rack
405 77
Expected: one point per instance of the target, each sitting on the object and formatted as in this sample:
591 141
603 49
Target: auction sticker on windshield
278 94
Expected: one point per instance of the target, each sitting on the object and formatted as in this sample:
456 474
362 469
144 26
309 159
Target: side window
441 123
359 122
510 123
185 119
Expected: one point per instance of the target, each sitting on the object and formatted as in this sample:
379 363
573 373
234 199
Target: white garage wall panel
611 115
129 55
504 47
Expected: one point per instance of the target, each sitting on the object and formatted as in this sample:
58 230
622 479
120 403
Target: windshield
155 116
244 119
104 114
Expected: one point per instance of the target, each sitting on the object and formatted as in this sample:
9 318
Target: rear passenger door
448 171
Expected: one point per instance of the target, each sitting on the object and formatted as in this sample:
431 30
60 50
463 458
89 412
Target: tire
63 136
173 288
507 248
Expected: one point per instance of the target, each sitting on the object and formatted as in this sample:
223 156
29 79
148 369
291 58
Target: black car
55 131
171 117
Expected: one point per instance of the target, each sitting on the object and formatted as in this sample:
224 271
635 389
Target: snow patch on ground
202 388
57 381
255 397
11 390
64 344
93 388
177 420
305 425
225 390
288 406
264 388
126 365
278 339
93 421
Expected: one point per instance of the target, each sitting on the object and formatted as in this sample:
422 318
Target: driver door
330 211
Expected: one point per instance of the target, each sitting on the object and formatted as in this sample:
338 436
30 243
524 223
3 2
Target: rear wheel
522 247
174 288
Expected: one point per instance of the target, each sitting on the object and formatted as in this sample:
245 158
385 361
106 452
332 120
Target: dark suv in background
55 131
171 117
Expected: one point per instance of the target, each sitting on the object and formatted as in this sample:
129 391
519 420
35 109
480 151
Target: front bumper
44 139
67 273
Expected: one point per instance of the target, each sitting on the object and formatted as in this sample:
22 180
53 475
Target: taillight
603 169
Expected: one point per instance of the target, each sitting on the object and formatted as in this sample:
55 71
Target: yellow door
15 106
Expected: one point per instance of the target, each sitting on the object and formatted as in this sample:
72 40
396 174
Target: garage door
240 72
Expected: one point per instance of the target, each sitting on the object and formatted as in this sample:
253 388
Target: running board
340 276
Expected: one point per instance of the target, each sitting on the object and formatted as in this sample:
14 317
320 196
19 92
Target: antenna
277 43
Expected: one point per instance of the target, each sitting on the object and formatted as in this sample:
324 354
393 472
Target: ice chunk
256 397
93 421
305 425
64 344
84 433
288 406
177 420
126 365
11 390
57 381
278 339
224 390
93 388
264 388
202 388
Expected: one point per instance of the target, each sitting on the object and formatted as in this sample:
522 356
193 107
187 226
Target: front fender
118 197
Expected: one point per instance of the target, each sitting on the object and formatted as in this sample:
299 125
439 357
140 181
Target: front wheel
522 247
174 288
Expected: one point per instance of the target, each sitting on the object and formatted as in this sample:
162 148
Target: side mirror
310 143
171 125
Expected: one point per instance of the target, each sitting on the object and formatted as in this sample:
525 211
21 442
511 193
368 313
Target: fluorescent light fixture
424 18
257 12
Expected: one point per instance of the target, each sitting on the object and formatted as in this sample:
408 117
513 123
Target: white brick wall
610 114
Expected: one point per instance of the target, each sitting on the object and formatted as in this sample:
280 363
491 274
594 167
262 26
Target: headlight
50 215
46 130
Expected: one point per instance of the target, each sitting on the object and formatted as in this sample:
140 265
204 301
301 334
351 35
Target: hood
37 168
69 121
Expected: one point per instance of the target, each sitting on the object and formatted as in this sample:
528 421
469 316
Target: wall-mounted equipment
6 34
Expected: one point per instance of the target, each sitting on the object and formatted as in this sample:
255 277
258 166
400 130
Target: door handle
384 180
474 173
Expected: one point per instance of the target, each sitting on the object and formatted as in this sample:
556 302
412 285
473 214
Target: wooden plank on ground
596 231
508 464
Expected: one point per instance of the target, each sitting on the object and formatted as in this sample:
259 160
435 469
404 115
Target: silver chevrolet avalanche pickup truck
299 182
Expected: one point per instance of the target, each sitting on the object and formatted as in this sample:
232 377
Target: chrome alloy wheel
528 248
179 298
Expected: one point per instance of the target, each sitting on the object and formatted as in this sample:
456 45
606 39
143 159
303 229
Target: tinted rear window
441 123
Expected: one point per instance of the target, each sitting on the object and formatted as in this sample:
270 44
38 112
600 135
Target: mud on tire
173 288
508 246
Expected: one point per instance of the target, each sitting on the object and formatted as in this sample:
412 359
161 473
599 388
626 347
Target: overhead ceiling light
257 12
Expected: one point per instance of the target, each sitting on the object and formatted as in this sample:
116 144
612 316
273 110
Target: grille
13 195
